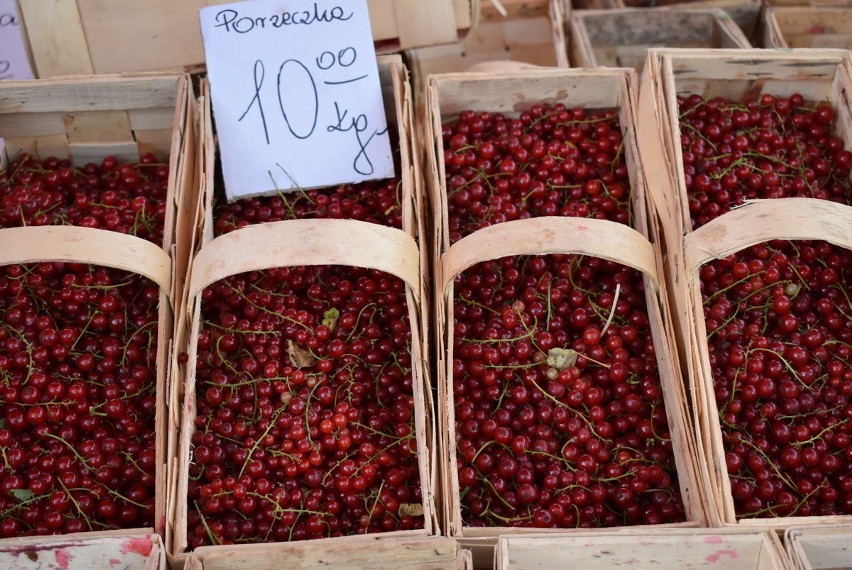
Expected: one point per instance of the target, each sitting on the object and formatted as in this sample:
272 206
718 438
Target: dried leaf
562 358
410 510
300 357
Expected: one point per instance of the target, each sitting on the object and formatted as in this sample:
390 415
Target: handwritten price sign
14 63
296 95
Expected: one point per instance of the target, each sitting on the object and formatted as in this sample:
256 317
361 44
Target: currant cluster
559 417
129 198
778 315
550 161
375 201
305 407
771 147
372 201
78 348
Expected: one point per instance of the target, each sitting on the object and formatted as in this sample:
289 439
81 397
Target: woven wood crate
819 547
116 550
71 37
622 37
312 242
805 27
816 74
510 93
739 549
86 119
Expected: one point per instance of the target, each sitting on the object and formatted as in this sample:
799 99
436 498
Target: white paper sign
296 94
14 63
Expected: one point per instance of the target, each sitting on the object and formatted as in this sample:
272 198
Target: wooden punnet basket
739 549
622 37
815 3
511 93
117 550
819 547
373 552
530 33
817 75
804 27
312 242
70 37
746 13
87 119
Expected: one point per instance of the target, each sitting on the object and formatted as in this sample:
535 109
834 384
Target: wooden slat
538 236
57 40
519 90
71 95
31 124
759 221
89 127
151 119
80 37
86 245
131 549
142 36
307 242
421 23
751 550
345 553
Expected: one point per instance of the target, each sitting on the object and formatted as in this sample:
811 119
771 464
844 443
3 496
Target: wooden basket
696 548
72 37
510 93
815 3
745 13
117 549
501 9
622 37
791 27
339 553
813 548
532 34
817 75
312 242
86 119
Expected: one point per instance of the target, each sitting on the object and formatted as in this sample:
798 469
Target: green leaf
22 495
330 318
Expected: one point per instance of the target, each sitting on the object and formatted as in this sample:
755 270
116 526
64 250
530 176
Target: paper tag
296 95
14 63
